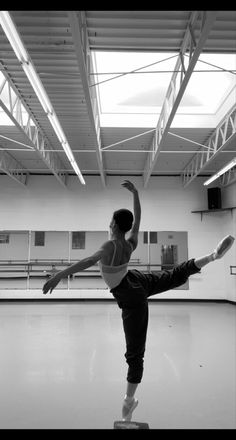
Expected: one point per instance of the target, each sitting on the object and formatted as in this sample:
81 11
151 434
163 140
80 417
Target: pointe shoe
223 246
128 410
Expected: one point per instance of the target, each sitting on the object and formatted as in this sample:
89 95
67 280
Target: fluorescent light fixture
78 172
68 152
57 127
226 168
37 86
12 35
24 58
22 55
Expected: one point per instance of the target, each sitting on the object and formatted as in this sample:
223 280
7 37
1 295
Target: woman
131 288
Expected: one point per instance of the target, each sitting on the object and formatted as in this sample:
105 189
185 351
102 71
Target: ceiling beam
228 178
15 109
27 65
178 83
224 134
13 168
83 54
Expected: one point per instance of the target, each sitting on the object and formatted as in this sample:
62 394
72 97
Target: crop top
113 275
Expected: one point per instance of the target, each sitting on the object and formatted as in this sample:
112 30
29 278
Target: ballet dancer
131 288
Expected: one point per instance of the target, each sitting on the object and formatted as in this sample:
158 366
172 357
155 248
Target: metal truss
13 168
224 133
178 83
80 36
228 178
13 106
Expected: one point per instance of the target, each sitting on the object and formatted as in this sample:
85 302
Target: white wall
229 227
18 246
166 206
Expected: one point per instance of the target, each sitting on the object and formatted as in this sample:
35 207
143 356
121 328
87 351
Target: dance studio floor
62 366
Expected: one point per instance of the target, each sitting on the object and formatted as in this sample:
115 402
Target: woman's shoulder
108 245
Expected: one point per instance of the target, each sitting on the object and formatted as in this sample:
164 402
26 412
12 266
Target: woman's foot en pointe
129 406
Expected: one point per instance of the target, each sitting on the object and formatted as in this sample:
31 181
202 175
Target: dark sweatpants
131 296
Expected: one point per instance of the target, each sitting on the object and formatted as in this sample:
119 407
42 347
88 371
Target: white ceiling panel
48 38
154 30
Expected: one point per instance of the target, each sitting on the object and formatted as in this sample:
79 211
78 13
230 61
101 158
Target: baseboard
100 300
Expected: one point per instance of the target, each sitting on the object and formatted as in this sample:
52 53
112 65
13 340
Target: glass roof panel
141 93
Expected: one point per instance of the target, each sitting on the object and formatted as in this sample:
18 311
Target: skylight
136 99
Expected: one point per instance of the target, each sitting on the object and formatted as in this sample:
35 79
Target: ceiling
49 38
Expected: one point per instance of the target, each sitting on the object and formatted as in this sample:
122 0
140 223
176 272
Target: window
136 99
152 237
39 238
145 237
4 238
78 240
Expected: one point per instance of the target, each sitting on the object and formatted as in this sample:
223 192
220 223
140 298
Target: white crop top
113 275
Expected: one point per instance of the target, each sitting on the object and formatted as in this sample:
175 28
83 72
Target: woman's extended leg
222 247
218 253
170 279
203 261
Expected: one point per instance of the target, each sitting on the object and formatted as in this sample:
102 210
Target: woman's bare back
122 254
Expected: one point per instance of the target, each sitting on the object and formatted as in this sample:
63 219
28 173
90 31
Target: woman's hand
51 283
129 185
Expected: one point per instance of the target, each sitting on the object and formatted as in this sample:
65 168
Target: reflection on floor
62 366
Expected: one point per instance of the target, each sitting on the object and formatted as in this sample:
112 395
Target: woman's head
123 218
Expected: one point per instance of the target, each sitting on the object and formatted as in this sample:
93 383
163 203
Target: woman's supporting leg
135 322
130 390
130 402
